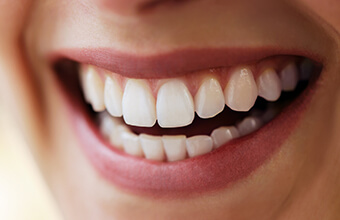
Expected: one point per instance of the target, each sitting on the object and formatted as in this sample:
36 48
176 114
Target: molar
269 85
289 77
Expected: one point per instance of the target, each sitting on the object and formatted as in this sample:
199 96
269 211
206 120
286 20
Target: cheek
328 10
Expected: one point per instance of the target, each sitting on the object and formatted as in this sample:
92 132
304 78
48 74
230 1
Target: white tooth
107 124
223 135
175 147
249 125
94 89
241 91
175 105
306 69
152 147
138 104
209 99
289 77
116 135
198 145
113 97
131 144
269 85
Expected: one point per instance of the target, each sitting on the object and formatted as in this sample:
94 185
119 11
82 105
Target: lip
213 171
171 64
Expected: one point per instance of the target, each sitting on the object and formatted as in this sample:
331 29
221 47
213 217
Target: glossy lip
172 64
213 171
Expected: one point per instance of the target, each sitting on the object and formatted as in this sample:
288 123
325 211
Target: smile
194 130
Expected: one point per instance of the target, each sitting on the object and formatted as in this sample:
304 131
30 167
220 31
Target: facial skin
301 181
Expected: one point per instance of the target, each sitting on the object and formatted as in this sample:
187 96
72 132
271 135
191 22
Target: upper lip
171 64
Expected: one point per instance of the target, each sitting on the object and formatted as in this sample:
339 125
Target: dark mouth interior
67 74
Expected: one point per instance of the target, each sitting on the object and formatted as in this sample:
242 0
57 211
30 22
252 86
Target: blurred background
23 194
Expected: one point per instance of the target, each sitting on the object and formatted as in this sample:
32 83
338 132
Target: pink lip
213 171
171 64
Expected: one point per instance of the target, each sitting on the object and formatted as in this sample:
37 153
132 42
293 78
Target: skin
301 181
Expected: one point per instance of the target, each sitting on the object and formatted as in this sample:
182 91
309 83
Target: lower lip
216 170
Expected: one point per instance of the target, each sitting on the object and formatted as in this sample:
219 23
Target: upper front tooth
113 97
209 99
138 104
289 77
269 85
93 87
241 90
175 106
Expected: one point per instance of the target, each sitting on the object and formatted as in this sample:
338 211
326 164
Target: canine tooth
138 104
241 90
113 97
289 77
306 69
223 135
107 124
175 105
198 145
93 89
209 99
269 85
175 147
131 144
249 125
152 147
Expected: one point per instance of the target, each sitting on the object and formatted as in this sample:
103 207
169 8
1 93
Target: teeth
223 135
131 144
175 106
269 85
209 99
113 97
249 125
306 69
152 147
175 147
289 77
93 89
199 145
117 134
138 104
241 90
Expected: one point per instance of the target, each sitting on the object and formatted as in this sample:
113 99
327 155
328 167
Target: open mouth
160 123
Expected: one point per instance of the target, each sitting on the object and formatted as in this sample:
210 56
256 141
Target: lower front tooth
249 125
241 91
138 104
131 144
222 135
175 105
152 147
175 147
199 145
